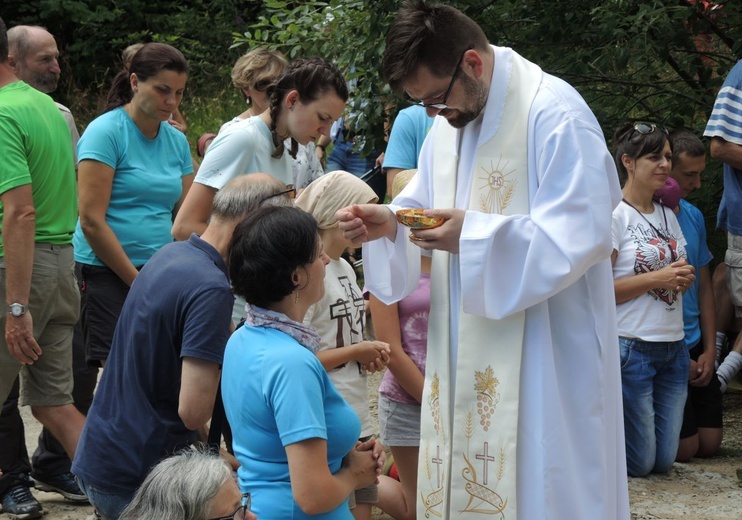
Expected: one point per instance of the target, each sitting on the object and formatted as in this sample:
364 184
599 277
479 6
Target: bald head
33 54
247 193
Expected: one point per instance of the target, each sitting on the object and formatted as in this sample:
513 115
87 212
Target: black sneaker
64 484
20 504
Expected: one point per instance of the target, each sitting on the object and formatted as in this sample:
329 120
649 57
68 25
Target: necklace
661 235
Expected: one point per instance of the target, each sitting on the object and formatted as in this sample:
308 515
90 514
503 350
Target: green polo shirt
37 150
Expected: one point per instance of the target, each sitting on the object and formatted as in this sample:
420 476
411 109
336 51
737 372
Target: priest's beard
475 98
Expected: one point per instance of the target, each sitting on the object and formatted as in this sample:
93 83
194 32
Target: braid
275 110
311 78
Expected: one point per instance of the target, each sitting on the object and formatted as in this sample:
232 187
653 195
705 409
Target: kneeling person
161 378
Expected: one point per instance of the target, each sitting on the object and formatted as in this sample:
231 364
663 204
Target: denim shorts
399 423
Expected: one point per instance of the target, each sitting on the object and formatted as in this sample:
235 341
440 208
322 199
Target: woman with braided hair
304 101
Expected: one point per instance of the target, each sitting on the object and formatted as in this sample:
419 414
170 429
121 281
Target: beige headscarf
331 192
401 180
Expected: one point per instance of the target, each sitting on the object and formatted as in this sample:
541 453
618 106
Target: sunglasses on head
646 129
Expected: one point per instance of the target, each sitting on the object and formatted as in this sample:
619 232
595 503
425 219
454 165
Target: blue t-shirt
694 231
726 122
179 306
277 393
409 131
146 186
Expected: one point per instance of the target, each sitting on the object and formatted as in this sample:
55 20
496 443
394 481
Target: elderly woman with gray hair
191 485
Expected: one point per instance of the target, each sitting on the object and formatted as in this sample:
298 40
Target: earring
296 296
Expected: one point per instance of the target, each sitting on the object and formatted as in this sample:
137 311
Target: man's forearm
729 153
18 241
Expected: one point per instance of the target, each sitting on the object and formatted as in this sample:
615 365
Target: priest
522 414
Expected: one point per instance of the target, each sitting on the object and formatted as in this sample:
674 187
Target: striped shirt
726 122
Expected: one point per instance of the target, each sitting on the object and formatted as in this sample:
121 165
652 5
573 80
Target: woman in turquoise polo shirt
134 170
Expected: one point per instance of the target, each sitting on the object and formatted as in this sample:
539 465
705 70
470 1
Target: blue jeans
108 504
342 157
654 378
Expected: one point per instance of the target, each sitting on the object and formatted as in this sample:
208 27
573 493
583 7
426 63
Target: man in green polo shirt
38 210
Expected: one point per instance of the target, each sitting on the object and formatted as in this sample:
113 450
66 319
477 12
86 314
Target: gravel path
701 490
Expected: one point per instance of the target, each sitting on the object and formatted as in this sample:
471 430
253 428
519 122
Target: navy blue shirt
179 306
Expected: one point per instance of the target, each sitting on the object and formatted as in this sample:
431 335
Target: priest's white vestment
554 264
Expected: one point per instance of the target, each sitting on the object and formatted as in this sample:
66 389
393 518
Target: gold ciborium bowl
415 219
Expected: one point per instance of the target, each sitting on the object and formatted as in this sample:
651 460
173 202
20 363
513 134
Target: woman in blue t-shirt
134 170
294 435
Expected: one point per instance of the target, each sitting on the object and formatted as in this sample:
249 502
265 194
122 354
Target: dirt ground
708 489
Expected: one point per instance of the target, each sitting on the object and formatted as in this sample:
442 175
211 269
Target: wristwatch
16 309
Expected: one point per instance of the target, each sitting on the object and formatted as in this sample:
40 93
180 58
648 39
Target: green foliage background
660 60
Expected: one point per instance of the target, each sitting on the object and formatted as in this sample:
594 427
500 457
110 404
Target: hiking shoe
64 484
20 504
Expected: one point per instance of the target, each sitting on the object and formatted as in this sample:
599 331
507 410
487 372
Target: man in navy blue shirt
162 375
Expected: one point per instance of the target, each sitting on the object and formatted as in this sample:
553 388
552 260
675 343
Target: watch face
16 309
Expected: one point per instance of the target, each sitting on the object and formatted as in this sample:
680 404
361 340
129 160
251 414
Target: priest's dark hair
429 35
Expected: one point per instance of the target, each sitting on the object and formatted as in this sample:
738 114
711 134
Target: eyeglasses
241 512
442 105
290 191
646 129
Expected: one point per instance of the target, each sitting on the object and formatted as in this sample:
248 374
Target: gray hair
20 42
247 193
181 487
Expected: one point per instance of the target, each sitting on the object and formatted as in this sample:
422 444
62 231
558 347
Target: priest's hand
445 237
365 222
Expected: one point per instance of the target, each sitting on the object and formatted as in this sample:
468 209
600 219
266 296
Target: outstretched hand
365 222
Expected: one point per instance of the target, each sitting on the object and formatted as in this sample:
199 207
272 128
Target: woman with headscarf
339 317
